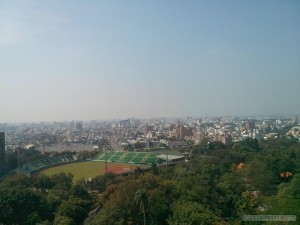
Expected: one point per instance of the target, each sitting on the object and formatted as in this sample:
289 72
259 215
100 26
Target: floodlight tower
105 156
167 154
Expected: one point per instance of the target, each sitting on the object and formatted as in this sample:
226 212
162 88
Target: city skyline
62 60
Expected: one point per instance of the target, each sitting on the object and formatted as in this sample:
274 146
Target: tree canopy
216 186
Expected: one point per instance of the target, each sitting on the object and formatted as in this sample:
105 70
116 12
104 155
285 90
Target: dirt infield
119 169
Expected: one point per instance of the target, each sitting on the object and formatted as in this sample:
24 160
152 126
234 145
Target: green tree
79 191
158 203
62 181
57 197
43 183
216 145
247 203
231 187
191 213
22 206
16 181
258 176
251 143
75 208
154 169
113 215
138 172
141 199
286 201
63 220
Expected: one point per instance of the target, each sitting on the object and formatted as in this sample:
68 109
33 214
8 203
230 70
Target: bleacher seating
122 157
69 157
129 157
29 168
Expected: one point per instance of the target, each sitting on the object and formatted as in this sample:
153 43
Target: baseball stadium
115 162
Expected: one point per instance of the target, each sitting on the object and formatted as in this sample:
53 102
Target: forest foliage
217 186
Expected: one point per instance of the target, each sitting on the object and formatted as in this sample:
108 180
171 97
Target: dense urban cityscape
145 135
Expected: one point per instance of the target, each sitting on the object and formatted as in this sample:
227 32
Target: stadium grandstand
137 157
32 167
146 158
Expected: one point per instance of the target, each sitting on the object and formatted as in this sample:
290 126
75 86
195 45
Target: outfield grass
83 169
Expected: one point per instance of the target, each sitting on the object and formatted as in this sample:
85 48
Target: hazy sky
81 60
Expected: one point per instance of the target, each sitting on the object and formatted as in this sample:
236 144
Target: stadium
117 162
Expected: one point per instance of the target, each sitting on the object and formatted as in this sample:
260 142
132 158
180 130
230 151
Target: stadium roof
170 157
29 146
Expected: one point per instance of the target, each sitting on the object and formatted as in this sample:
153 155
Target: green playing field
85 169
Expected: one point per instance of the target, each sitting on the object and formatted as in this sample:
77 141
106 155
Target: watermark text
269 218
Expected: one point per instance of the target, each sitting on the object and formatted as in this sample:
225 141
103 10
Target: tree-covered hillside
217 186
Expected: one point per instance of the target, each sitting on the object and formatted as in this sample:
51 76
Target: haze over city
84 60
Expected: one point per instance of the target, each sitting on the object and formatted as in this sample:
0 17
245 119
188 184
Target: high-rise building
124 123
226 139
183 131
2 148
296 120
250 125
79 126
149 128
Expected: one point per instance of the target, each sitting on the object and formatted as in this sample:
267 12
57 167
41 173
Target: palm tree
137 172
140 199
